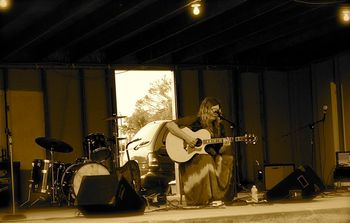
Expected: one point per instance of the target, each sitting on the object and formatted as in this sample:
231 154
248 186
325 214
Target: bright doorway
143 96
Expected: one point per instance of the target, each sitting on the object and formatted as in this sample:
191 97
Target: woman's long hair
204 113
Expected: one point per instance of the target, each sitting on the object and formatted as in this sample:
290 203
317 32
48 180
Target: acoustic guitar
179 151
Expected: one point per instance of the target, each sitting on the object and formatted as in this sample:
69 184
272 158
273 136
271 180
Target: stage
330 207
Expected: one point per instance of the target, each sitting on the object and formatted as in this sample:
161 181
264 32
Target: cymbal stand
89 150
53 187
115 135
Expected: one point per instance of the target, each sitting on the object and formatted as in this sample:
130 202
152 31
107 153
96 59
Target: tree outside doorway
143 97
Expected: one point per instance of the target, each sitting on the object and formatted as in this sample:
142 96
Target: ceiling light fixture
4 4
343 11
344 14
196 7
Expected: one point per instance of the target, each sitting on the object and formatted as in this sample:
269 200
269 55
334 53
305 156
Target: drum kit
60 182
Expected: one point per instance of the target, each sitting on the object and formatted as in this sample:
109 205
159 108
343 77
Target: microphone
233 125
324 108
218 113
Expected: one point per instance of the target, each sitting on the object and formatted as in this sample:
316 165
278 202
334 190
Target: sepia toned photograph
181 111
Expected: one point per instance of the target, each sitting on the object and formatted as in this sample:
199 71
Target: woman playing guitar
206 176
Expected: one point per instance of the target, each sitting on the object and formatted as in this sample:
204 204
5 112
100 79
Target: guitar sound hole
198 142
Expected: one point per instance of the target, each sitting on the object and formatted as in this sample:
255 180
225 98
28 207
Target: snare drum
95 147
73 176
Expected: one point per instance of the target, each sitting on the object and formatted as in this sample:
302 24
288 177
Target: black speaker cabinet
108 194
303 179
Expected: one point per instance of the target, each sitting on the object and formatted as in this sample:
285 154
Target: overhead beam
167 34
148 17
298 31
90 26
67 12
213 31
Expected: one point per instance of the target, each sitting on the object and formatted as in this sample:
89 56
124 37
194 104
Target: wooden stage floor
327 207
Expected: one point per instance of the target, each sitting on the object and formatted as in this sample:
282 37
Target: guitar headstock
250 138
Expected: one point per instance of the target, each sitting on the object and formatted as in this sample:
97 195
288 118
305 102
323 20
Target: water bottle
254 192
259 175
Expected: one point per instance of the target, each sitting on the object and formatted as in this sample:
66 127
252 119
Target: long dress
205 177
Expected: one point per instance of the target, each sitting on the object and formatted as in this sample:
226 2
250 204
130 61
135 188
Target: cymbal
114 117
53 145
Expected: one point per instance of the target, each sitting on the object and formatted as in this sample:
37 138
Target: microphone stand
232 124
311 126
312 141
13 216
236 174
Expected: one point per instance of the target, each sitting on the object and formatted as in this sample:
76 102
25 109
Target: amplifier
275 173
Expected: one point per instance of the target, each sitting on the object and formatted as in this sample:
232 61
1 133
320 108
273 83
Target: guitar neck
219 140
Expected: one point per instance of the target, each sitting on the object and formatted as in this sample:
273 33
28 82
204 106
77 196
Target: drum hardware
114 118
41 176
46 173
29 193
34 179
40 172
89 148
82 159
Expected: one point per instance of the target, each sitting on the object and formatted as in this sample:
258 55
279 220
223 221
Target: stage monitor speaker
106 194
275 173
303 179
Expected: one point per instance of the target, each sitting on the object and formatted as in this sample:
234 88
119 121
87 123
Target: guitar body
179 151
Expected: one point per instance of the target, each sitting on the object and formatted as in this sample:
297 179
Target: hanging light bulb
4 4
196 7
344 14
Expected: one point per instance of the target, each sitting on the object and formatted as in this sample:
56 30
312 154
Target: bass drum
73 175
